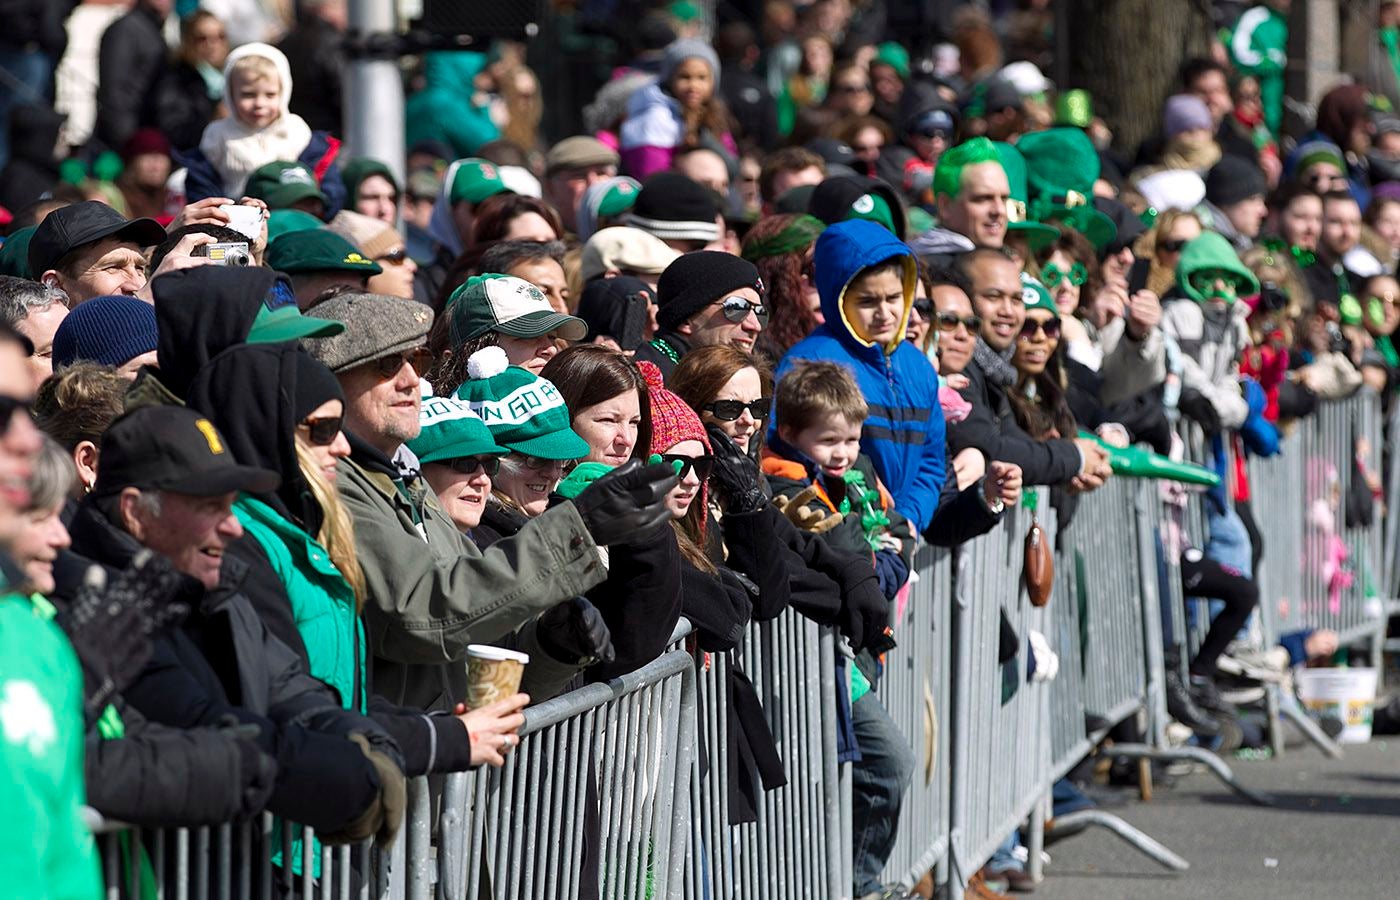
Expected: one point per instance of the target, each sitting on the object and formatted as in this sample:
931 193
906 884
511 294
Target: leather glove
1195 406
628 500
257 772
110 623
574 632
865 613
381 820
736 477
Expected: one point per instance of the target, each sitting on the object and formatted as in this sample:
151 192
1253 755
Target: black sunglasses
703 465
924 307
949 322
391 365
1051 327
535 462
9 406
396 257
322 432
729 410
737 309
1172 246
468 465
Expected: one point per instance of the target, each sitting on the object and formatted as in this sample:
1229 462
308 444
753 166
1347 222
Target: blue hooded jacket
904 432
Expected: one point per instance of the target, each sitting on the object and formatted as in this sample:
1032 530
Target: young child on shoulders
821 478
259 128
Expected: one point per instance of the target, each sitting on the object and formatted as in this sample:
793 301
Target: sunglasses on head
390 365
468 465
322 432
950 321
1051 328
703 465
737 309
729 410
394 257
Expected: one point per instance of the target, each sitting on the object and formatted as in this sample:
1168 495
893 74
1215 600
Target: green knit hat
356 171
1035 296
895 56
14 255
524 411
1018 218
451 430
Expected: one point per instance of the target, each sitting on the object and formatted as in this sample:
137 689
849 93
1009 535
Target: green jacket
323 603
430 591
46 852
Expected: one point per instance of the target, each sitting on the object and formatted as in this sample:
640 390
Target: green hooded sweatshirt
1210 251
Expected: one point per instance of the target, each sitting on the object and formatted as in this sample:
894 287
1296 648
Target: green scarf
798 235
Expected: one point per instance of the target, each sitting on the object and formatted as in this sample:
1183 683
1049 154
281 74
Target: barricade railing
999 722
795 848
916 691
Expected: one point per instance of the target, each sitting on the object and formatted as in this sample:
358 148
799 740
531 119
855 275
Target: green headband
796 235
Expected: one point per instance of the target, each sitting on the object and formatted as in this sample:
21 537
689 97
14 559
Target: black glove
574 632
1195 406
628 500
865 613
385 813
110 624
257 772
736 478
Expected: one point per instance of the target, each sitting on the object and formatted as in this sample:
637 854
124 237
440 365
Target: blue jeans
33 70
878 781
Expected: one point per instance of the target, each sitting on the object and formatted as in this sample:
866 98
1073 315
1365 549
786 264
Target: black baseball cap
172 448
70 227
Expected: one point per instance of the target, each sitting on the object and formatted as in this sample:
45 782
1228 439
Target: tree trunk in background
1128 54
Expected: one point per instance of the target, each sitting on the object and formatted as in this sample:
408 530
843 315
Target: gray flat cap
375 326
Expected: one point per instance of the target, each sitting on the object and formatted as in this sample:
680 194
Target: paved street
1335 832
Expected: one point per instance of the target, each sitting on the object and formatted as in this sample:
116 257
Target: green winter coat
46 852
323 603
430 591
443 110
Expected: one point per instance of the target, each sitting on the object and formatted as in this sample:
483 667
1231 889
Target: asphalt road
1335 832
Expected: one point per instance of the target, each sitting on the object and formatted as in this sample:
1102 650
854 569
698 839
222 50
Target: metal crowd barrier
798 847
1000 720
916 691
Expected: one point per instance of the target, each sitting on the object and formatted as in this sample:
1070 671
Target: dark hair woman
780 247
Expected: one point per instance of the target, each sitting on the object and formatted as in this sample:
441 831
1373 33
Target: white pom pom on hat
488 362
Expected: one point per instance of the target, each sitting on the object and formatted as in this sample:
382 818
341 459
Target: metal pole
374 102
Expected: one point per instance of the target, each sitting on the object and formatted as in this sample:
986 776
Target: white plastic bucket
1348 694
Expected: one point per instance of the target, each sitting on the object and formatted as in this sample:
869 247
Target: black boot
1207 697
1184 709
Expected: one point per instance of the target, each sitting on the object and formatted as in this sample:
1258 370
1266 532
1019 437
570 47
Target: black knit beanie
314 385
1234 179
696 280
674 208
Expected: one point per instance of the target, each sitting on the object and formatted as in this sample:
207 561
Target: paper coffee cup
493 673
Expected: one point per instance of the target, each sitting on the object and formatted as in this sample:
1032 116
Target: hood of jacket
201 312
1212 251
266 51
842 251
248 392
453 70
442 228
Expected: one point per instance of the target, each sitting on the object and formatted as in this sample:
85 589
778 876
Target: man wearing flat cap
570 167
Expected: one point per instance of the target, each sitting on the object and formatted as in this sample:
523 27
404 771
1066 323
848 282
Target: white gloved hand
1047 662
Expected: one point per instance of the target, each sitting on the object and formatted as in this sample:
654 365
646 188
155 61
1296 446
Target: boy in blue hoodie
866 279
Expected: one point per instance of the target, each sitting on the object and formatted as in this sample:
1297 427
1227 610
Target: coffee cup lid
486 651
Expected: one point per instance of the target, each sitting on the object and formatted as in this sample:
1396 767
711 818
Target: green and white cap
524 412
451 430
507 305
1035 296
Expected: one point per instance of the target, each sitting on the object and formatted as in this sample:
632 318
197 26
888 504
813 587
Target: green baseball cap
1035 296
874 208
524 411
280 184
318 250
475 180
14 254
284 221
279 319
618 198
451 430
507 305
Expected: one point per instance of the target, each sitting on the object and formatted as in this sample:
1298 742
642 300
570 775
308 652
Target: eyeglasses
729 410
391 365
1052 275
703 465
1172 246
394 257
468 465
1050 327
949 322
9 408
737 309
322 432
